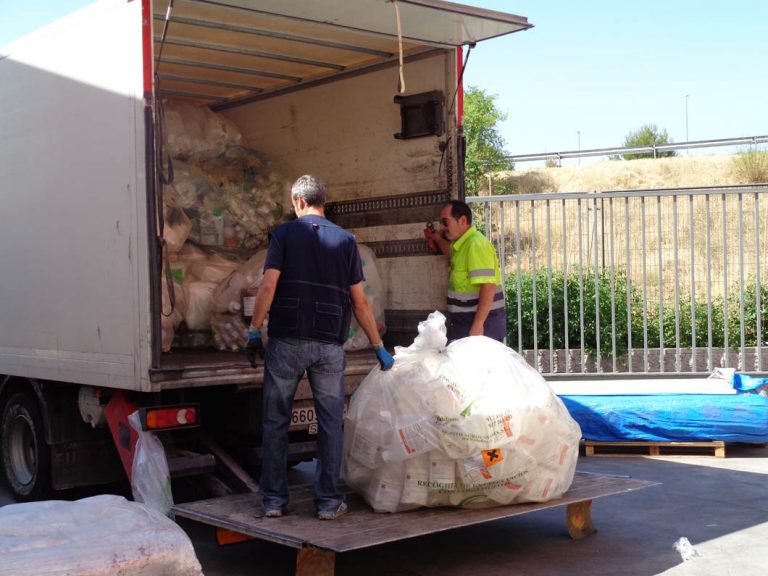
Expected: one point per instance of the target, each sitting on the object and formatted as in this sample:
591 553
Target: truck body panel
78 289
74 289
364 94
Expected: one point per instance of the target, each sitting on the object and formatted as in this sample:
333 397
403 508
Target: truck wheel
26 458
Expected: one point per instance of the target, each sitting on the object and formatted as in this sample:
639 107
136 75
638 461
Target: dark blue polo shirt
318 262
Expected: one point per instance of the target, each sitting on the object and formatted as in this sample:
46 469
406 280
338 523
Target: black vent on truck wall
420 115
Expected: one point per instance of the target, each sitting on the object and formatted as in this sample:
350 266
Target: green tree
646 135
485 146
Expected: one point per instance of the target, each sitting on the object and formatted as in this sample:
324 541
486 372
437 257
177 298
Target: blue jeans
286 360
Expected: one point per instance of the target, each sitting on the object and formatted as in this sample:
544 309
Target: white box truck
365 94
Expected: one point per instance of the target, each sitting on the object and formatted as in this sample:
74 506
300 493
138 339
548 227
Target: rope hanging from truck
401 77
444 147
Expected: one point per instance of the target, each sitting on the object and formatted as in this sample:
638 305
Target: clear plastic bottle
686 549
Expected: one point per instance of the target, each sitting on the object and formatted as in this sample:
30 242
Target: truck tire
26 458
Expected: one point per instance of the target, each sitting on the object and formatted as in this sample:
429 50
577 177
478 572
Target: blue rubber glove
385 358
254 347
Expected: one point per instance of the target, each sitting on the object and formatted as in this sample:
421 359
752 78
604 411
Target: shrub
646 135
596 308
751 337
723 314
536 289
751 166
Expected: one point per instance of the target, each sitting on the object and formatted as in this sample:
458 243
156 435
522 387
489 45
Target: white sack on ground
470 424
98 536
374 289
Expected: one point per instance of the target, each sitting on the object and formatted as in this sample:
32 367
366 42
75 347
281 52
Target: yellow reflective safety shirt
473 263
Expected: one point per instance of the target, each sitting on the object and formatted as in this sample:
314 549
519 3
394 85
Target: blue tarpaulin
671 417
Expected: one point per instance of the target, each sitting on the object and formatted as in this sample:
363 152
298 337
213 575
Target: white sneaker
333 514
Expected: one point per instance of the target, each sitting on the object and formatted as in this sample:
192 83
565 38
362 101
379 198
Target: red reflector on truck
168 417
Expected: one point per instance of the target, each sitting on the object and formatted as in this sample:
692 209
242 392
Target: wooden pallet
714 448
239 517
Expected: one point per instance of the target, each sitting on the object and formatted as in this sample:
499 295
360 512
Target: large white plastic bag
231 194
199 296
227 322
150 478
196 130
469 424
374 290
99 536
213 268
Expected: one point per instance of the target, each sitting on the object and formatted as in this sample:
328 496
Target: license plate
305 417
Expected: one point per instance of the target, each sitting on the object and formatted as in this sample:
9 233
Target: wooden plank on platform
714 448
362 527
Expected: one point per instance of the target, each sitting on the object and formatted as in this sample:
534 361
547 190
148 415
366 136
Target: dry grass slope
676 172
695 243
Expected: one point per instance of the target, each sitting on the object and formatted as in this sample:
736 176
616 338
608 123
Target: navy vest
318 262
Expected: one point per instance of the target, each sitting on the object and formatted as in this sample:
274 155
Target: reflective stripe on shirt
468 301
482 272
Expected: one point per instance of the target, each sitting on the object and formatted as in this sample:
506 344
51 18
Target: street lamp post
578 142
687 150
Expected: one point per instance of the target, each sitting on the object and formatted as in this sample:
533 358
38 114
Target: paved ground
720 505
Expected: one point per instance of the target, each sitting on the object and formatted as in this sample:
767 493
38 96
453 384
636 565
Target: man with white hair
313 283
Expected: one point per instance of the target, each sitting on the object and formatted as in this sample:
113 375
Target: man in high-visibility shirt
475 295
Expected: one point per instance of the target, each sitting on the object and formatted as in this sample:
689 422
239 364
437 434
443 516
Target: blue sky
591 71
604 68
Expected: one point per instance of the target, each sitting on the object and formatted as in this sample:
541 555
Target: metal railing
655 149
643 282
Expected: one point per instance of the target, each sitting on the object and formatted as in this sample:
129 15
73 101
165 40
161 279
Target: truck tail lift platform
317 543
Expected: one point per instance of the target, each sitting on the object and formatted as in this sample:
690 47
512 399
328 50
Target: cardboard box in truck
364 94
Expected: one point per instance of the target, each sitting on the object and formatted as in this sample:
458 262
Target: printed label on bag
248 303
442 471
414 438
415 489
365 450
474 470
492 457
